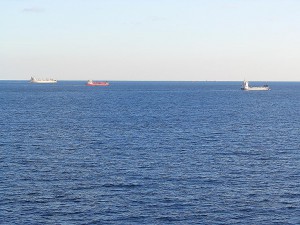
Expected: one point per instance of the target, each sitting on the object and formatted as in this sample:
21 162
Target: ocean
149 153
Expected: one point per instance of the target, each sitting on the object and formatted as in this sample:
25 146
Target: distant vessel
97 83
246 87
43 81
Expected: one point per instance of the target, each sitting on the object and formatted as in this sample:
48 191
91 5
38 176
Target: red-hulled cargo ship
97 83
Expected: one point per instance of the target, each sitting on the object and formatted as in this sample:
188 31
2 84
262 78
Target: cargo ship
246 87
97 83
42 81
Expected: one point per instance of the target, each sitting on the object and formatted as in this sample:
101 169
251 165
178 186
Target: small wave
111 185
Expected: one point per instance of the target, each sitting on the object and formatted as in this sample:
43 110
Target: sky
150 40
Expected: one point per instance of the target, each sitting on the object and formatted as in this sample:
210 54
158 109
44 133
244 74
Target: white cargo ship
43 81
246 87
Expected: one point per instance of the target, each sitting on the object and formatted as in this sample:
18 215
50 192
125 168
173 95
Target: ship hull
256 89
98 84
44 82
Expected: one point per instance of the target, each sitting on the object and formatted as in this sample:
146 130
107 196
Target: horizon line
161 80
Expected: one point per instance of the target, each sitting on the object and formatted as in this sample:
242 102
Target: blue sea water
149 153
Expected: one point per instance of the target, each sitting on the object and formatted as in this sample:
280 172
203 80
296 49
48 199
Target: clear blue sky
150 39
